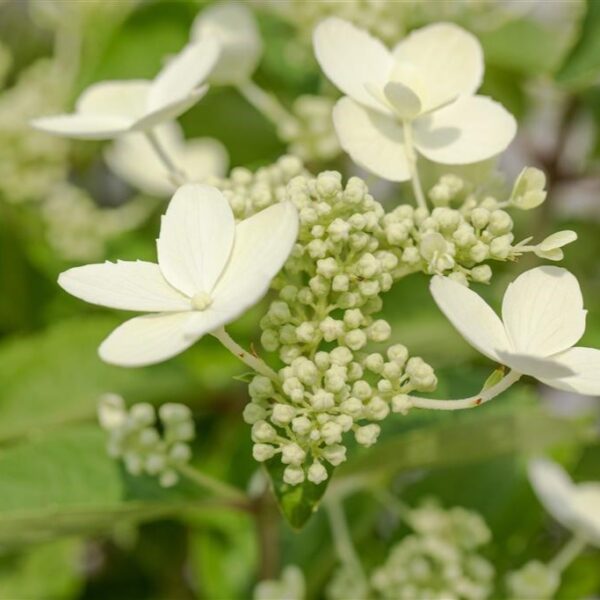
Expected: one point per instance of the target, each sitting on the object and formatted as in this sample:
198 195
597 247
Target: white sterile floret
132 158
551 247
234 27
529 189
575 506
209 272
428 80
109 109
542 320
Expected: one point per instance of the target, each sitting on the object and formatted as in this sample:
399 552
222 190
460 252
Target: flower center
201 301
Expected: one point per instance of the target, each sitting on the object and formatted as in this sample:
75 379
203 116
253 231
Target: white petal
554 489
536 366
471 316
196 238
586 506
469 130
406 102
543 311
125 285
133 159
558 240
373 140
585 363
262 244
449 61
126 98
351 58
147 340
183 74
85 127
234 26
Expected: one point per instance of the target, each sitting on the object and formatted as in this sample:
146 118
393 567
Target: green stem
568 553
471 402
342 540
217 487
265 103
252 361
177 176
412 165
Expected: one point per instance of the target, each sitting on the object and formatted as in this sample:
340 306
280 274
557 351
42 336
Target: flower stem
568 554
342 540
412 165
265 103
217 487
176 175
252 361
471 402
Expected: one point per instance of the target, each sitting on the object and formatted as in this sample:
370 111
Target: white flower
133 159
111 108
209 271
429 80
542 319
233 25
575 506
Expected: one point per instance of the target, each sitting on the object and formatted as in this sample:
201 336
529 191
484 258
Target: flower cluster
290 585
440 559
146 446
533 580
311 135
321 324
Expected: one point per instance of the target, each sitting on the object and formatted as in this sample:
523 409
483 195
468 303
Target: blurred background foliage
73 525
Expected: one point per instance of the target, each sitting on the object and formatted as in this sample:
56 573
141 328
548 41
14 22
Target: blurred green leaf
46 571
297 502
223 553
582 64
65 483
524 46
55 377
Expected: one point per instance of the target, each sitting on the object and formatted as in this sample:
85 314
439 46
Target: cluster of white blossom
146 445
78 229
290 585
311 135
441 559
31 162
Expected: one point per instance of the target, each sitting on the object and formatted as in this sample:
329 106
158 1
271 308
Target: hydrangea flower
575 506
542 319
427 82
134 160
209 271
233 25
112 108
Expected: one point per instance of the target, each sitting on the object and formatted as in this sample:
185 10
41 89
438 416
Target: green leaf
582 64
297 502
45 571
458 439
524 46
55 377
64 483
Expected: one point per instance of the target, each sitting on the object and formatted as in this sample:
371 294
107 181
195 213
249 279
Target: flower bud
282 414
301 425
293 475
379 331
317 473
292 454
401 404
367 435
263 432
262 452
334 455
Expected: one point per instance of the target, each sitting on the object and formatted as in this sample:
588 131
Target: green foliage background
73 525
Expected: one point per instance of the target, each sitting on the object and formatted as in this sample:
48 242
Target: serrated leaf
297 502
582 64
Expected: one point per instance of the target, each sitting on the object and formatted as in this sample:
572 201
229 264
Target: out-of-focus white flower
575 506
233 25
209 271
133 159
112 108
542 319
290 586
428 80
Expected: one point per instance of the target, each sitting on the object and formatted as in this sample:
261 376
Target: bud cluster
148 445
440 559
321 325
